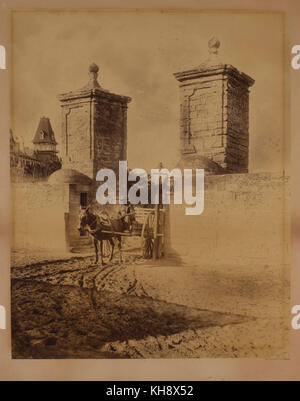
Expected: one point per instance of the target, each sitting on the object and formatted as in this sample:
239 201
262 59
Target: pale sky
137 54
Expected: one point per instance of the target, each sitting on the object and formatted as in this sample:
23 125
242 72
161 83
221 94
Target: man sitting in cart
126 212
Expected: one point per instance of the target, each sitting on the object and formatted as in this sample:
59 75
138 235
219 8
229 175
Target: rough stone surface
94 130
245 220
214 120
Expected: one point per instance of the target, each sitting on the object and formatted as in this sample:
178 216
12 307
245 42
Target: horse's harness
90 225
96 221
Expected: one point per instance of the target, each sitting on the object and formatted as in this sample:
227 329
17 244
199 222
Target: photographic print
149 162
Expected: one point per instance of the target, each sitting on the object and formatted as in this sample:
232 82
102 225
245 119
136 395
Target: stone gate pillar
94 127
94 136
214 114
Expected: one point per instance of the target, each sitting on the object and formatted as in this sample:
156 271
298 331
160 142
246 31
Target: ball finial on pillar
93 73
213 45
93 70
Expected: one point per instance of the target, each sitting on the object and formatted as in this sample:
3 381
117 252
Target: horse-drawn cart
149 226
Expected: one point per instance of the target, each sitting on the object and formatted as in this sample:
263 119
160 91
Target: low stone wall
37 216
245 221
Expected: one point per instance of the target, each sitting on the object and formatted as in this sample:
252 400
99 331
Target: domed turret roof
69 176
194 161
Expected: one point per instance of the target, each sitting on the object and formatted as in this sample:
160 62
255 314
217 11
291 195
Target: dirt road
73 309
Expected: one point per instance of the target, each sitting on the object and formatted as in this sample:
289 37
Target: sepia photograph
150 185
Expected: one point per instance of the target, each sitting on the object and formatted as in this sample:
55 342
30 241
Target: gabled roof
44 132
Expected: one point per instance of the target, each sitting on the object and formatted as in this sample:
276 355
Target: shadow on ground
54 321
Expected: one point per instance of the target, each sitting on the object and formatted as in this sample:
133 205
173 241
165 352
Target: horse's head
83 221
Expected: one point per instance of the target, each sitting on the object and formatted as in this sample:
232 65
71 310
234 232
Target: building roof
69 176
44 132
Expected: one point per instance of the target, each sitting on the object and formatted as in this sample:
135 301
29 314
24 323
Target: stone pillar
94 127
214 114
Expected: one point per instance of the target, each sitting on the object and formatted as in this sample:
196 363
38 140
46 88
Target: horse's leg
120 249
96 249
101 252
111 241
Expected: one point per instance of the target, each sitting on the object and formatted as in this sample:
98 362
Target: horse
95 224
